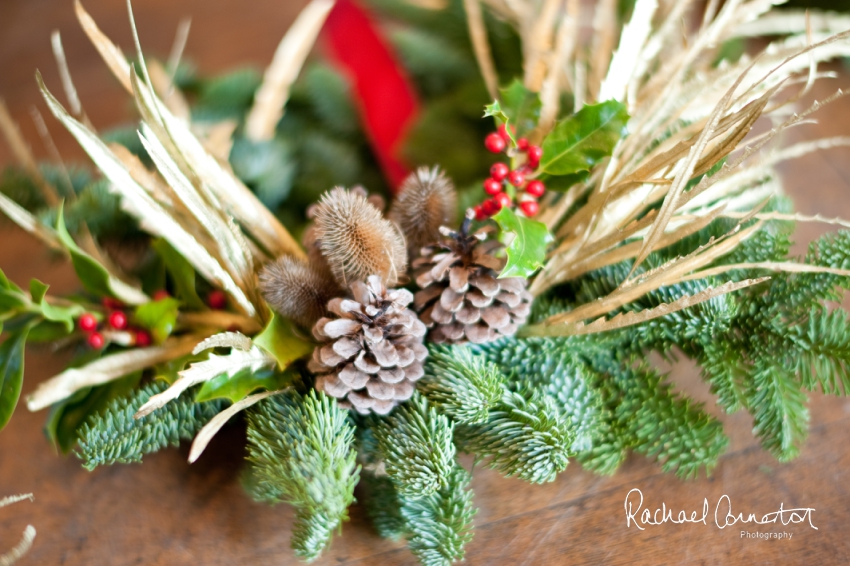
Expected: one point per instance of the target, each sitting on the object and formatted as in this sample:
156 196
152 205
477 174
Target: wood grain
168 512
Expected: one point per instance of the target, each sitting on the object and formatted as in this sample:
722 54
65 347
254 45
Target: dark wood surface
168 512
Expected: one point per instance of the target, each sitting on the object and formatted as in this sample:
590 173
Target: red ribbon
385 95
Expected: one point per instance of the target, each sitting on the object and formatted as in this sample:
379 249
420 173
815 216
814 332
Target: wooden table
168 512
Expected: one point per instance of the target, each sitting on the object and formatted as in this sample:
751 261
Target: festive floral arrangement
613 201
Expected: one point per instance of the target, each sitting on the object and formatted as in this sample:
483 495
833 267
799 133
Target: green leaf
243 384
527 251
495 110
159 317
280 340
69 415
579 142
64 315
94 277
169 372
521 106
11 373
182 274
7 285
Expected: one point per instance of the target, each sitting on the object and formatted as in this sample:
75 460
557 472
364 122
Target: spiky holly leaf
280 340
159 317
243 384
498 114
521 106
11 373
182 274
61 314
527 250
579 142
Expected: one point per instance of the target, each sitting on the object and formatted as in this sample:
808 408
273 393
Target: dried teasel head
356 240
426 201
297 290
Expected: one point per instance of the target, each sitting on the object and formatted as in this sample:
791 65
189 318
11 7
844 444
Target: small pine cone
372 351
461 297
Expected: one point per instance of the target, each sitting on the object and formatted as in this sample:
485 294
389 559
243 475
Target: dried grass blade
110 53
225 340
785 267
11 499
65 75
632 41
23 218
20 549
481 47
22 153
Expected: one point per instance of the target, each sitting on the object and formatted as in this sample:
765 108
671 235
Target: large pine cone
461 298
372 352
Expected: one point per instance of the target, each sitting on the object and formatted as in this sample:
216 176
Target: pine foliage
300 448
114 436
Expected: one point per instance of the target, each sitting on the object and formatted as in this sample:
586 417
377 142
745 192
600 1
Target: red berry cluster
116 320
504 184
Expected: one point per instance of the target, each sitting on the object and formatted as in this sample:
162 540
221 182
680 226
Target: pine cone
461 298
372 352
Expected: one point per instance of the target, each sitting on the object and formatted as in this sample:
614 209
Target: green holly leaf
527 250
11 373
159 317
579 142
243 384
495 111
280 340
170 371
62 314
12 298
182 274
521 106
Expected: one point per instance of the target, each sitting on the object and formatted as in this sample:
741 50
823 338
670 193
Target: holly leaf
159 317
12 298
94 277
579 142
498 114
527 251
11 373
61 314
243 384
521 106
182 274
279 339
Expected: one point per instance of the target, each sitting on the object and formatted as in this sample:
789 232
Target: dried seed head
357 241
426 201
297 290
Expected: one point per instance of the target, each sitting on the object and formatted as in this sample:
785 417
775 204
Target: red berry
495 143
529 207
96 340
143 338
535 188
87 322
499 171
492 186
535 153
504 200
516 177
118 320
217 300
490 207
522 144
160 295
111 304
503 132
479 213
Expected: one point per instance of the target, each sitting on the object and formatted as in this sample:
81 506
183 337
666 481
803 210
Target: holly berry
503 199
535 188
87 322
529 207
535 153
217 300
96 340
118 320
143 338
160 295
495 143
516 177
503 133
490 207
492 186
499 171
522 144
479 213
111 304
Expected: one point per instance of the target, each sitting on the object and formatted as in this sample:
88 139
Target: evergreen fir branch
440 524
114 436
416 444
383 506
526 436
779 409
301 452
725 370
822 354
460 384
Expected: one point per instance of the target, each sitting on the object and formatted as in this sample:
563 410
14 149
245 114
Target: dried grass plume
297 290
426 201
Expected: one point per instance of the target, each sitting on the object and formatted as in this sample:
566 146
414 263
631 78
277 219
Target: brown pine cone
461 298
372 353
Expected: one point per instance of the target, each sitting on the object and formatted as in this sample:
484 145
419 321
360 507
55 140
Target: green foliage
181 273
301 452
440 524
416 444
280 340
114 436
237 387
159 317
521 106
527 250
460 384
11 373
383 506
